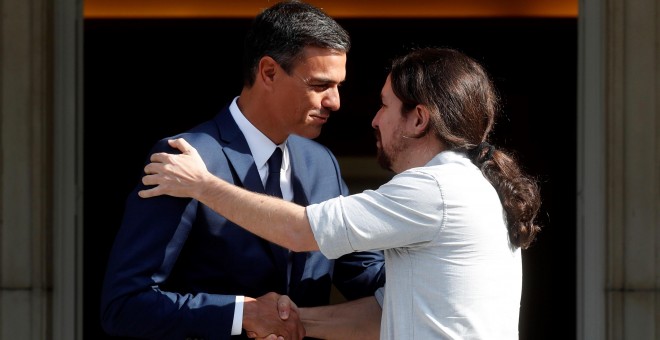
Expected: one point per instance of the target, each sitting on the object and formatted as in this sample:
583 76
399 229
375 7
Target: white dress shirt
261 148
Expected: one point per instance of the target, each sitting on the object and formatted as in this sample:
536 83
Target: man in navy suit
178 270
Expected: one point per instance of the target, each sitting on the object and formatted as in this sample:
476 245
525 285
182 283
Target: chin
384 160
310 133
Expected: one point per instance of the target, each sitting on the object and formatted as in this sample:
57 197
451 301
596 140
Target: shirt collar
260 145
450 156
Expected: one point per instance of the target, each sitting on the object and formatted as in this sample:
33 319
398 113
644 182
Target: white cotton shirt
451 271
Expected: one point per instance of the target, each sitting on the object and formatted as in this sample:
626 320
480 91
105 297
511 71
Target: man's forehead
328 67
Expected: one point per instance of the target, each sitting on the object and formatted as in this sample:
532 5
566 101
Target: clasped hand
272 317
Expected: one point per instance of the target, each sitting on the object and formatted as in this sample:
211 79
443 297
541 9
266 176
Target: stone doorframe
618 174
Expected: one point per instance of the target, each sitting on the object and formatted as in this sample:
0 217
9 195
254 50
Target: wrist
248 311
205 187
311 322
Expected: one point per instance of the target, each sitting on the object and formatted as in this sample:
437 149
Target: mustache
323 112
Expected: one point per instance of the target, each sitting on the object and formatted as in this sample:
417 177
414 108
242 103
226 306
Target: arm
358 319
136 301
185 175
356 275
359 274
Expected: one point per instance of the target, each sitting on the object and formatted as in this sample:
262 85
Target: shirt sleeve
407 210
380 296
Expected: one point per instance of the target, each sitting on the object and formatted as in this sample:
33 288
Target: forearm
135 316
271 218
185 175
358 319
131 303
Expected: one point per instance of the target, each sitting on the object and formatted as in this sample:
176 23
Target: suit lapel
238 153
243 165
240 157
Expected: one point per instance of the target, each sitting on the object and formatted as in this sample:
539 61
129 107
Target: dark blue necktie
273 181
295 264
273 188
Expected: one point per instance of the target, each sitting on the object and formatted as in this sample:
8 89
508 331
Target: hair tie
478 154
489 154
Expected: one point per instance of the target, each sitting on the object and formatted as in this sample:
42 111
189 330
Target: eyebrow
324 80
321 79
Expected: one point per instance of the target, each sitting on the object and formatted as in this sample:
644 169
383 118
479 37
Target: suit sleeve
147 245
359 274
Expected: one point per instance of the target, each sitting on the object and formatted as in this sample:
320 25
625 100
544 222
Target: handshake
272 317
276 317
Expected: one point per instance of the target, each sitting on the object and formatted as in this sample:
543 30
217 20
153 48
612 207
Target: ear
418 120
268 68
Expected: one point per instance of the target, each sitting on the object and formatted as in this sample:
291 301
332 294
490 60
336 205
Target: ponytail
518 192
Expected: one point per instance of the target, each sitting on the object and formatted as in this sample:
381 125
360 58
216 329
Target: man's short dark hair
284 30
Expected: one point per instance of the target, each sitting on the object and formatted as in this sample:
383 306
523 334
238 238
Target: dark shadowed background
150 78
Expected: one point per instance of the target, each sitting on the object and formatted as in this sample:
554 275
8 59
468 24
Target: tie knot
275 161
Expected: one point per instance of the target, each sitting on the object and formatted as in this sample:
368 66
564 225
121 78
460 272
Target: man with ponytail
452 222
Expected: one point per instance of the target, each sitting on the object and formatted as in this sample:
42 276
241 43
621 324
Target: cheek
298 103
315 100
390 120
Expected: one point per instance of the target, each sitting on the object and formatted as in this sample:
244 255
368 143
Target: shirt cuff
237 325
380 296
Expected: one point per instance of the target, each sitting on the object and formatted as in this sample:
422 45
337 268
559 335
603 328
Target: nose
331 99
374 122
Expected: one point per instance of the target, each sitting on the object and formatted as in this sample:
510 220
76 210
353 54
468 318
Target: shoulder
296 141
309 150
450 167
203 137
458 180
316 168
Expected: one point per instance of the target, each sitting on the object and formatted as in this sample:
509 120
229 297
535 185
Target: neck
260 115
418 152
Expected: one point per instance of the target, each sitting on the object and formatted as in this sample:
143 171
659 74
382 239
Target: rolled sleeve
329 229
392 216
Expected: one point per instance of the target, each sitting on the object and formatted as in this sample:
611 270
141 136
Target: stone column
619 170
26 213
39 250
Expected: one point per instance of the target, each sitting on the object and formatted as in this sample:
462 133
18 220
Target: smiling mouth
323 119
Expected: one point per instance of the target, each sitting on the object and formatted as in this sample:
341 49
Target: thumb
182 145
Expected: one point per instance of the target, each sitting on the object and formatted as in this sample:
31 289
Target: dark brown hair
462 100
282 32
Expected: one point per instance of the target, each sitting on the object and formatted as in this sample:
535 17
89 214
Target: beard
388 156
384 159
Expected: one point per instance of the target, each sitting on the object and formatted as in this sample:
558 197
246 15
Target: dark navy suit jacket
176 266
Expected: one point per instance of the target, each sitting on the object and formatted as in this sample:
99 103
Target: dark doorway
147 79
